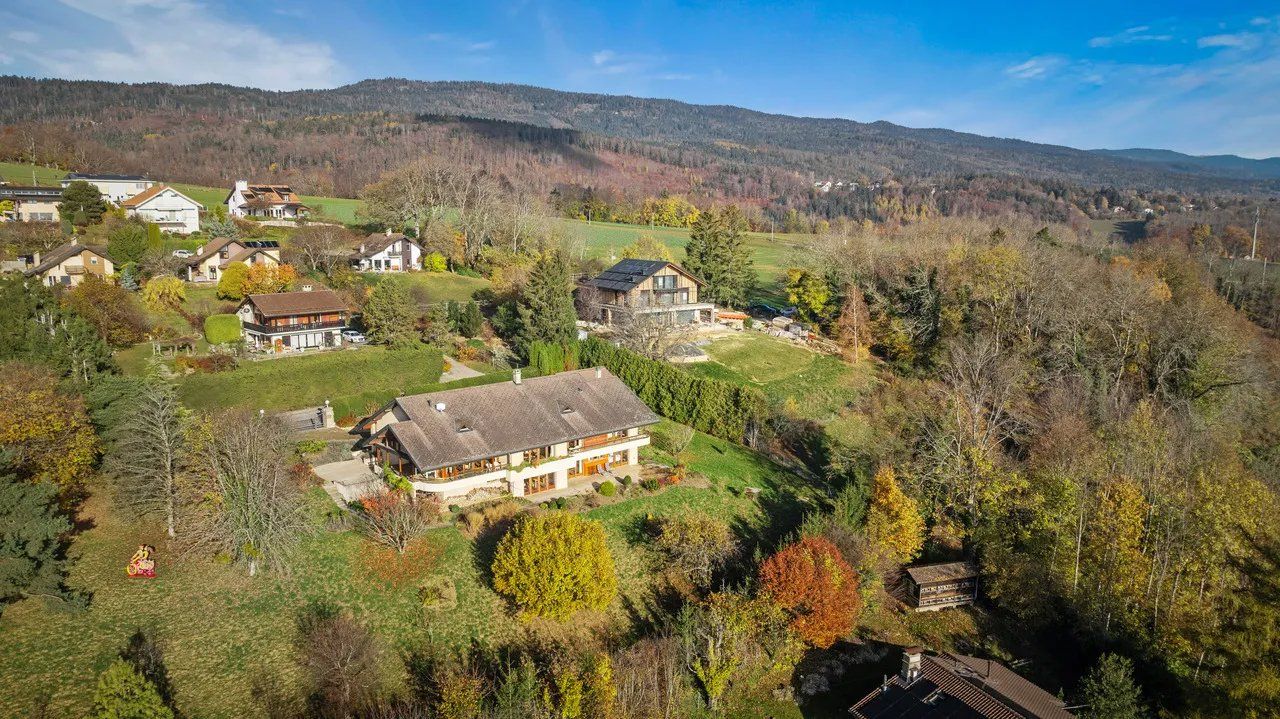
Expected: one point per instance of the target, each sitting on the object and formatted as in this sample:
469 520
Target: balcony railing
299 327
608 443
503 465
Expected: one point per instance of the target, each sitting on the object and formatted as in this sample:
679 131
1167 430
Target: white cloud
6 59
1034 69
1240 39
184 42
1140 33
481 46
602 57
1259 21
25 36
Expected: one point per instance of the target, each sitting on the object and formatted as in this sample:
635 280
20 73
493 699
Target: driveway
457 371
348 480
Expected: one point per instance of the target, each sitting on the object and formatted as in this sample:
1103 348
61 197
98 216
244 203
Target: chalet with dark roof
520 437
955 686
309 318
655 288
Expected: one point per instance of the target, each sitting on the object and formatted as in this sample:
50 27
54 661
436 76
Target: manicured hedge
221 329
719 408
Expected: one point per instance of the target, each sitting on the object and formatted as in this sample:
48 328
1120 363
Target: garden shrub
649 484
210 364
490 518
608 489
222 329
434 262
311 446
552 565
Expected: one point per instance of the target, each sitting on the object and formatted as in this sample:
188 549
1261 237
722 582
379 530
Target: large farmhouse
171 210
522 437
265 201
114 188
660 289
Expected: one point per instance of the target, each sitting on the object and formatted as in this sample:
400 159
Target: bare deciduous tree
394 519
648 334
320 248
149 457
341 660
246 505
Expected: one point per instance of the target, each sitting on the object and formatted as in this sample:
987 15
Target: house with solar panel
657 288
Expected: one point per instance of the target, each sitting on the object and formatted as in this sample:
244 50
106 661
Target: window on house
664 282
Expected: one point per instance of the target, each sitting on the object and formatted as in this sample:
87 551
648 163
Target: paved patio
346 481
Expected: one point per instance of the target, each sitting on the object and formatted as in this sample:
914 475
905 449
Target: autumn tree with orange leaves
816 586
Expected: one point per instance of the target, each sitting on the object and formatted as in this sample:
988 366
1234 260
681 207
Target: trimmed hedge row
716 407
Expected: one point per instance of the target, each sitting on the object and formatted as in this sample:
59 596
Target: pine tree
436 328
717 253
31 531
1109 690
127 242
82 204
123 693
545 309
470 321
389 315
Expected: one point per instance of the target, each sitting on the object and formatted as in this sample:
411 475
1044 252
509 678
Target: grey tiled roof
496 419
627 274
945 572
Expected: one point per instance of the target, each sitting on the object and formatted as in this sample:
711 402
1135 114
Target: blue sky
1195 77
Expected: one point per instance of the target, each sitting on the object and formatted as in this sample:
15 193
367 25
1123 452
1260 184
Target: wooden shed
939 586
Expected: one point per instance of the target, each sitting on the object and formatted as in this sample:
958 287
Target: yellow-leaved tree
646 247
553 565
895 528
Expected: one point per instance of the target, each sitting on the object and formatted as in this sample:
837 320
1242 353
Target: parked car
183 254
354 337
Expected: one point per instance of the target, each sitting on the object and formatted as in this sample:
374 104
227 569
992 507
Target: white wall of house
117 191
399 256
172 211
512 480
72 271
236 205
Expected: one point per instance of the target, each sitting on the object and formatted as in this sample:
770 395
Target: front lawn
431 287
221 630
812 385
353 380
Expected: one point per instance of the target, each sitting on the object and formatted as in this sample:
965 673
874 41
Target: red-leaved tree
816 586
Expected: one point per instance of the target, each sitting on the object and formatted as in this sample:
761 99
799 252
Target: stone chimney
388 232
911 659
35 257
515 375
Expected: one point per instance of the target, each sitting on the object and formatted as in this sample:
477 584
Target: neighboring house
114 188
958 687
938 586
651 287
294 320
211 259
166 207
520 437
32 203
389 252
269 201
69 264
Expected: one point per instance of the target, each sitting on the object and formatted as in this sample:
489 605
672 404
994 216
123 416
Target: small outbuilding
939 586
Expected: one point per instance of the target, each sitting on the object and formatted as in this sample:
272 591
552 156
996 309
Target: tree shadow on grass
657 606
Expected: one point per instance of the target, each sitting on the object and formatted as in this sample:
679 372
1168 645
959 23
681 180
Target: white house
389 252
114 188
269 201
168 208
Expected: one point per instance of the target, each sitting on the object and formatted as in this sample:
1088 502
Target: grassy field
221 630
351 379
21 174
432 287
815 386
772 255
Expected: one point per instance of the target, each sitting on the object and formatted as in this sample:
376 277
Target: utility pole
1257 217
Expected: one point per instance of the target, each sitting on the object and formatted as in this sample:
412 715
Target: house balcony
298 327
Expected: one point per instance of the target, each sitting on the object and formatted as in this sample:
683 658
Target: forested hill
823 146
